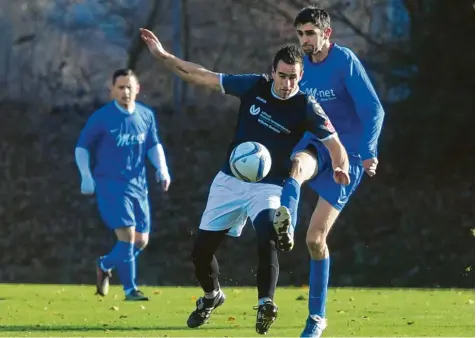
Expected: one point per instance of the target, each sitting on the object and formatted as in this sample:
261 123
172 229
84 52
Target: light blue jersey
118 142
341 85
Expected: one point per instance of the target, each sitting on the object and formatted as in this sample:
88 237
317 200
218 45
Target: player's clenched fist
341 176
155 47
87 185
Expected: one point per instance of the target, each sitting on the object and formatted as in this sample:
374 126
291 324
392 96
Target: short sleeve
237 85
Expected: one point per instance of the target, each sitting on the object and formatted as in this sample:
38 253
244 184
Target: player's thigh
304 165
207 243
305 157
225 209
116 210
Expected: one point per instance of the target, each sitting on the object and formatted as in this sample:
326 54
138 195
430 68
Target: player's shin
318 281
290 199
268 264
125 266
205 262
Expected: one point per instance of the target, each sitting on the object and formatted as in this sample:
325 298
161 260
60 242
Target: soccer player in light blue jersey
119 136
336 78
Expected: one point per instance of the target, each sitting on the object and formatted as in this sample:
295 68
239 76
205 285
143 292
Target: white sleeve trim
221 83
333 135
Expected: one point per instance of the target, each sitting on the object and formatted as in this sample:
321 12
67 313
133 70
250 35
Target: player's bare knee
141 243
141 240
125 234
316 244
304 166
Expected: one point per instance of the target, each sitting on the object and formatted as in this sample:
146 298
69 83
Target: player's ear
328 32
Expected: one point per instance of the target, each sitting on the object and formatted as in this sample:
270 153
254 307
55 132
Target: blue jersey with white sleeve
341 85
275 123
118 142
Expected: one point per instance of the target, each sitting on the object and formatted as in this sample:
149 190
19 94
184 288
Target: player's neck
321 56
129 108
273 92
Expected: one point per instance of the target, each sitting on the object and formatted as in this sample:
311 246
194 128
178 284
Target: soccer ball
250 161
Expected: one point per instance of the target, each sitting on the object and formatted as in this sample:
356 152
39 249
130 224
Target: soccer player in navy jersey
118 137
276 114
336 78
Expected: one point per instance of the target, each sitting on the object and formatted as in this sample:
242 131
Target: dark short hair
312 14
123 72
290 54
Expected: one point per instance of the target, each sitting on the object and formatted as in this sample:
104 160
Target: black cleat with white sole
205 307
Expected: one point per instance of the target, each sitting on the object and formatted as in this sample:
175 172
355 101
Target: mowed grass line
71 310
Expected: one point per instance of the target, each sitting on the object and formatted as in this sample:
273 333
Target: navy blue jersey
276 123
118 142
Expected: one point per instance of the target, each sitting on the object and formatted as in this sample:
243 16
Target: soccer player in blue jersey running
335 77
118 137
272 112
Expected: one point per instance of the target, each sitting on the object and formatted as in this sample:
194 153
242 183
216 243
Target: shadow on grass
58 328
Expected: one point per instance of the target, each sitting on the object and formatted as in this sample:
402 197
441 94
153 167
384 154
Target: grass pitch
71 310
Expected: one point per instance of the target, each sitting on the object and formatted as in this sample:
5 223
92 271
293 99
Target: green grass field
70 310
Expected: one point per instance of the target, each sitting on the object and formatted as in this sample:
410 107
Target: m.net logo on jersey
124 140
266 120
321 95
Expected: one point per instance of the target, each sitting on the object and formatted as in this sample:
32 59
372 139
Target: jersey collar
124 110
280 98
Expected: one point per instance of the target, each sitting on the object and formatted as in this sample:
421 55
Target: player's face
286 78
311 38
125 90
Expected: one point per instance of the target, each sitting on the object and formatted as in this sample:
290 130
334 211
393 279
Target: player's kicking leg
304 167
206 271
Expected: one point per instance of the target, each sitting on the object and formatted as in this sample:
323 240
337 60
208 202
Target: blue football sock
137 252
125 265
290 198
318 280
108 262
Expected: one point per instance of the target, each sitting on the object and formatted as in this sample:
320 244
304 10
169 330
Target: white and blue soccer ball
250 161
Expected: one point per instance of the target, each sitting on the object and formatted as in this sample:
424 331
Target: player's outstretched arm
188 71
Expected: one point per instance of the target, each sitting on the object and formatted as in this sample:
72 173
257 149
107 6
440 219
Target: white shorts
231 202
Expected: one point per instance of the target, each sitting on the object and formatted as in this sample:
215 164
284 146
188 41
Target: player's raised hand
152 41
370 166
87 185
341 176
